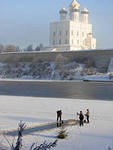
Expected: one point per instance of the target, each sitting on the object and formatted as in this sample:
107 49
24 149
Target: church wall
59 33
71 34
74 34
77 34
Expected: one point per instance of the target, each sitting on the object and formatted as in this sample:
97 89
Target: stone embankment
55 65
100 58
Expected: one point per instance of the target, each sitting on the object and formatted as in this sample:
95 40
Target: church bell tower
74 9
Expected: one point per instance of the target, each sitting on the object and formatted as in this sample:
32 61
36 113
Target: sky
25 22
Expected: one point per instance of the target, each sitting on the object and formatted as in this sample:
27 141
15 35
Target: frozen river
58 89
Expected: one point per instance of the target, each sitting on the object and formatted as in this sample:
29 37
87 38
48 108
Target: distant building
73 32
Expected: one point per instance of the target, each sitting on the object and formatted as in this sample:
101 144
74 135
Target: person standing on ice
59 117
81 118
87 115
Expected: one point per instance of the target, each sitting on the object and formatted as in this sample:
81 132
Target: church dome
74 5
85 11
63 10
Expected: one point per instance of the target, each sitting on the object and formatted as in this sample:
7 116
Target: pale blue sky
24 22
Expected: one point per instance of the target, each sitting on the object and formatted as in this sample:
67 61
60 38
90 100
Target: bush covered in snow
45 70
62 134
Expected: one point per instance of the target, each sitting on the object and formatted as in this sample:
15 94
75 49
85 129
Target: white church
72 32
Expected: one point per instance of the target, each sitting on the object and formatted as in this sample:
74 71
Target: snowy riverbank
53 71
97 135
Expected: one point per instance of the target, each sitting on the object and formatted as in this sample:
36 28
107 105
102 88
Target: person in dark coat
87 115
81 118
59 117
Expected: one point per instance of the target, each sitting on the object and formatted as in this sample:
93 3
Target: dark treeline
14 48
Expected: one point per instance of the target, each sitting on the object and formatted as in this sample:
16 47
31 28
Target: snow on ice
97 135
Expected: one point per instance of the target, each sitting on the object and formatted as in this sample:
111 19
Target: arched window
53 42
77 33
59 41
72 32
54 33
72 41
60 33
82 34
78 42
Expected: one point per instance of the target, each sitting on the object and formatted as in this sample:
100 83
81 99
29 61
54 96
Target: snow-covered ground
44 70
100 77
54 71
97 135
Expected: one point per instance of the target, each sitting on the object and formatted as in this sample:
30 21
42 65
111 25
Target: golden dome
74 5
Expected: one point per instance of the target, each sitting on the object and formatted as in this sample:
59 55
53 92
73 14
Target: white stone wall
59 34
74 16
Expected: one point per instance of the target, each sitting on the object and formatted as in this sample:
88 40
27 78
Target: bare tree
43 146
1 48
37 48
10 48
29 48
34 146
21 128
17 48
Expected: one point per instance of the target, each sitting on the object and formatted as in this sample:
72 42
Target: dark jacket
81 117
59 113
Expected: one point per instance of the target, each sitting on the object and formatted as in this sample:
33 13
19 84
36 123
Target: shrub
62 134
34 146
